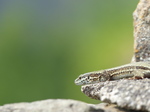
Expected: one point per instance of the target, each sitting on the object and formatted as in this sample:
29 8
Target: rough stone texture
142 31
60 105
131 94
47 106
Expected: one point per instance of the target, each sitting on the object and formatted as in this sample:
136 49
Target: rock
142 31
51 105
60 105
130 94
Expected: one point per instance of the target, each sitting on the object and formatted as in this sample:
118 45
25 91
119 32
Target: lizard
134 70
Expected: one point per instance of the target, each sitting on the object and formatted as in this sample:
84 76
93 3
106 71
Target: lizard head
91 78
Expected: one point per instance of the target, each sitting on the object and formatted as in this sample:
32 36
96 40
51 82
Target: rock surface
142 31
59 105
130 94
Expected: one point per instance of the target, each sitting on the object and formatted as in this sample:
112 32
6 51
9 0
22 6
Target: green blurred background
46 44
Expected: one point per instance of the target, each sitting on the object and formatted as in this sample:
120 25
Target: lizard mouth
77 82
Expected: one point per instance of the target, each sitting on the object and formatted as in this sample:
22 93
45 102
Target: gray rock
142 31
52 105
60 105
130 94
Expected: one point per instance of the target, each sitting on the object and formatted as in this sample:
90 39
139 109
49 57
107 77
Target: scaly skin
135 70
